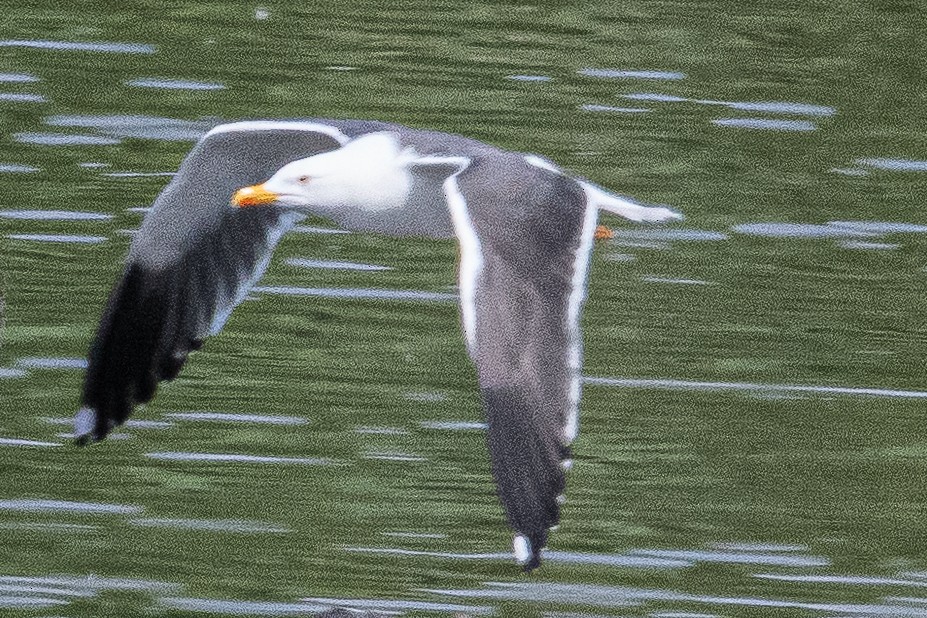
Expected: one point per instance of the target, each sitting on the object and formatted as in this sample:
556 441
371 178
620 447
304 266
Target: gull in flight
525 229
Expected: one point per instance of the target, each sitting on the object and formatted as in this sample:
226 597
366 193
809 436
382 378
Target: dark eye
303 180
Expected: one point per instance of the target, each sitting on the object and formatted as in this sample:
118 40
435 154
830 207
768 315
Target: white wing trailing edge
603 200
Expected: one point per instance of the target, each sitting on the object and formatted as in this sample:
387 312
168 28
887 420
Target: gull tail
603 200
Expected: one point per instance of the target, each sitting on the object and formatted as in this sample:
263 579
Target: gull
525 230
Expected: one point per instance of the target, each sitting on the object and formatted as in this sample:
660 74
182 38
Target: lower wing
193 260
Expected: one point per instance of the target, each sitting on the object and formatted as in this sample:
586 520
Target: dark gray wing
527 291
194 258
521 357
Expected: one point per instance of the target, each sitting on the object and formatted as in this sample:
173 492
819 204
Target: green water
812 487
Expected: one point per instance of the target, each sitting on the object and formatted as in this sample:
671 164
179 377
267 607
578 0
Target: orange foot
603 233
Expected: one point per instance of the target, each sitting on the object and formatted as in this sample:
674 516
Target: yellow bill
255 195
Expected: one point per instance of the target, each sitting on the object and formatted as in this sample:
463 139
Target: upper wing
522 354
194 258
522 284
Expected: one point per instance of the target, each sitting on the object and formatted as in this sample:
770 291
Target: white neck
367 174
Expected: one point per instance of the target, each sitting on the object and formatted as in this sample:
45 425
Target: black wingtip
83 440
533 563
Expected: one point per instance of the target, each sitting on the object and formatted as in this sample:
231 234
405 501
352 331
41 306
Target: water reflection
758 547
16 168
850 580
617 596
64 139
800 230
59 238
236 458
17 78
894 165
609 108
18 602
380 431
619 257
137 175
401 606
395 551
226 417
765 124
625 74
23 442
753 387
425 396
566 557
356 293
132 423
881 227
36 362
641 244
415 535
118 48
53 215
29 505
173 84
22 97
6 590
789 559
138 423
136 126
771 107
672 281
681 615
210 525
92 583
117 435
867 246
575 594
393 456
654 96
530 78
453 425
335 265
777 107
630 560
48 526
909 602
832 229
240 608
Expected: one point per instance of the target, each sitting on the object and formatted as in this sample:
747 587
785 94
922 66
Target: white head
368 173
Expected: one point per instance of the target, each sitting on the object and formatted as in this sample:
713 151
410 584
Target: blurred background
752 435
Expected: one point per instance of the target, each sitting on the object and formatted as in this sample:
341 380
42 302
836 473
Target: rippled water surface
753 432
